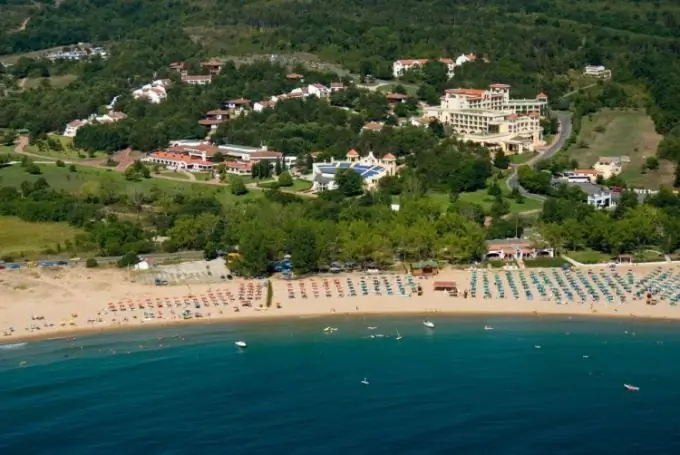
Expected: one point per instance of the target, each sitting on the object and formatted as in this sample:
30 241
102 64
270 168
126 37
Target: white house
154 92
72 127
399 67
597 71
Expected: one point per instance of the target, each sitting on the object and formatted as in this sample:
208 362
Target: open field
622 133
60 178
66 154
411 89
54 81
522 157
482 198
589 256
13 58
23 237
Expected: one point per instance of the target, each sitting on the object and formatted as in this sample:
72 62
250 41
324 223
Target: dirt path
23 25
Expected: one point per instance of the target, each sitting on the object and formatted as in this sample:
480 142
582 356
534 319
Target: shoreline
58 335
44 304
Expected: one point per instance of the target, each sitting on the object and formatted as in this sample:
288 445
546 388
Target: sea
532 385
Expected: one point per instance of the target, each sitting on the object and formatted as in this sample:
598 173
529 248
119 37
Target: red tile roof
239 165
541 96
239 102
181 158
446 61
419 61
294 76
499 86
213 62
585 171
352 152
217 112
265 155
396 96
210 121
466 91
389 157
373 126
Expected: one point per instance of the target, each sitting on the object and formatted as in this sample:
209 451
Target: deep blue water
456 390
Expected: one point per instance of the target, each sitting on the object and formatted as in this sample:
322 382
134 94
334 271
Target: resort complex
370 168
490 117
199 156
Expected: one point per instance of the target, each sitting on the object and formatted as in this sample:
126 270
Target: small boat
379 335
428 324
632 388
488 328
328 329
584 356
537 346
365 381
399 337
241 344
372 328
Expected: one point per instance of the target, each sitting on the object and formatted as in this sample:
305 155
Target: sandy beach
46 303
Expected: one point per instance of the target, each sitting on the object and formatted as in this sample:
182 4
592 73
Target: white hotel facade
491 118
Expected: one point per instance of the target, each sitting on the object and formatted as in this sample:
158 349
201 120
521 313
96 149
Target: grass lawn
411 89
54 81
22 238
301 185
622 133
521 158
589 256
649 256
482 198
67 153
545 262
61 178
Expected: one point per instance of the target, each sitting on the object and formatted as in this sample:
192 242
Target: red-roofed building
214 118
213 65
197 80
294 76
389 158
541 96
373 126
394 98
352 155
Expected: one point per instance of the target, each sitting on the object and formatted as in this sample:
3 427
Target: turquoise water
455 390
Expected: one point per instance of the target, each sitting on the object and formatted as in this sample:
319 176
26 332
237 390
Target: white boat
327 329
488 328
537 346
585 356
241 344
428 324
632 388
372 328
365 381
399 337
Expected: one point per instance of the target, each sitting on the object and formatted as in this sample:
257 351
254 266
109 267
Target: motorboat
241 344
330 330
365 381
632 388
488 328
372 327
428 324
537 346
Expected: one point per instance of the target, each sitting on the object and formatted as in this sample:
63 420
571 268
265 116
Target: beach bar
420 268
445 286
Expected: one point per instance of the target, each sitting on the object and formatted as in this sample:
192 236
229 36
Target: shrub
60 163
128 259
91 263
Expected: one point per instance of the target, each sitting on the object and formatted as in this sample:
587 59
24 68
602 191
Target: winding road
564 119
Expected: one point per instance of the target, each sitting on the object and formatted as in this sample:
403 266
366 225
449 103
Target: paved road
564 118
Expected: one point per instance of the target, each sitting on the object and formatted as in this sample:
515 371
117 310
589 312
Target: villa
155 92
400 67
72 128
515 249
597 71
370 168
491 118
608 166
214 66
197 80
